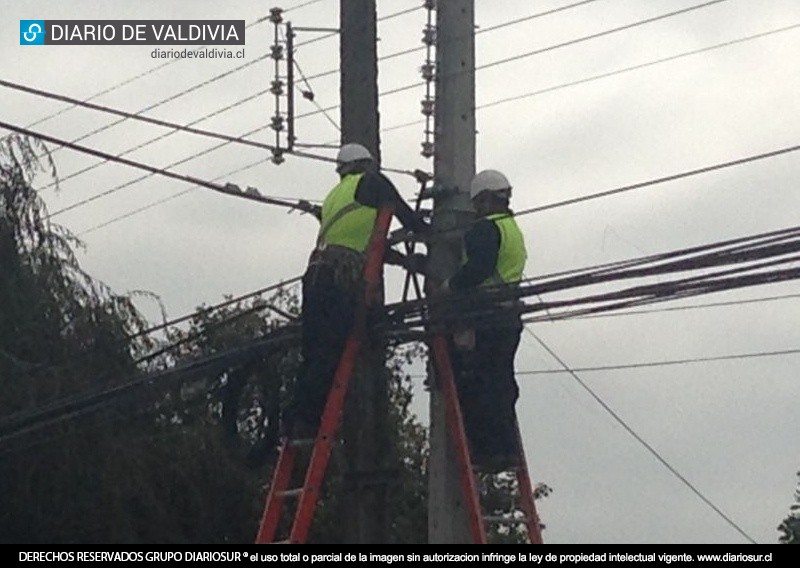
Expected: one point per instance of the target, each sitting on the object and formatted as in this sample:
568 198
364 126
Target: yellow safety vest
512 255
345 221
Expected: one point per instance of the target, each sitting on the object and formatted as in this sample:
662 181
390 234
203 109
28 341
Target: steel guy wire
639 439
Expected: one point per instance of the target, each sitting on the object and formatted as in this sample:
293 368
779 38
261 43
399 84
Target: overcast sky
730 428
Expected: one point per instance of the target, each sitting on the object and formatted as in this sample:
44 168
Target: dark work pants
328 317
487 390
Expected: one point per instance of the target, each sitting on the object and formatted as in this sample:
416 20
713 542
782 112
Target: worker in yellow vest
333 282
483 352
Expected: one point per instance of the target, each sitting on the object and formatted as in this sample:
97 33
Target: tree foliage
183 459
790 526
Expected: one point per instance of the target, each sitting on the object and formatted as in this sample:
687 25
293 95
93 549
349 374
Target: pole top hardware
276 15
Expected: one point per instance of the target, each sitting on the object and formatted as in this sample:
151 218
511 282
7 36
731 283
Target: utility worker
333 282
483 355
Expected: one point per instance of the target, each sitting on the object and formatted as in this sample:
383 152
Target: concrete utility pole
364 425
454 167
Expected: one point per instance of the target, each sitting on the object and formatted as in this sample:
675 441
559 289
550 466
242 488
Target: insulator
430 4
276 51
277 156
427 149
427 107
277 123
276 15
427 71
429 35
276 87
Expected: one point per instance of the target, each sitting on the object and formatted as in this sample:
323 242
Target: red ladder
455 423
308 494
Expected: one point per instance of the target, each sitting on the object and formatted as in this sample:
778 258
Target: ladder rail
458 437
532 521
334 406
468 482
321 453
280 481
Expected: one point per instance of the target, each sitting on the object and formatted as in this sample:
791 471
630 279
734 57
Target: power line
477 32
494 27
672 177
634 67
753 258
209 309
178 95
523 55
148 168
323 110
609 74
124 185
650 364
70 407
124 83
695 307
639 439
302 5
158 138
599 34
167 199
157 122
80 357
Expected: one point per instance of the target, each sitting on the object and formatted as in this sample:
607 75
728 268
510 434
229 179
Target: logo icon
31 32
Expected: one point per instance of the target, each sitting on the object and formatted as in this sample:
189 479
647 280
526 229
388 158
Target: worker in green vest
333 282
483 350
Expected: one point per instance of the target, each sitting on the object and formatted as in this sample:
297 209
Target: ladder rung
291 492
287 541
501 520
305 442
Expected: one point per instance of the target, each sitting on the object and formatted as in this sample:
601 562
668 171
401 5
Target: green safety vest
512 254
345 221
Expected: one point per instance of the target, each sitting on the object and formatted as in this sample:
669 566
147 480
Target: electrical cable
523 55
656 181
667 363
693 307
641 440
153 170
600 34
125 82
69 407
608 74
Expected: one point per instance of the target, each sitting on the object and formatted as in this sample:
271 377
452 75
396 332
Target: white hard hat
352 153
489 180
